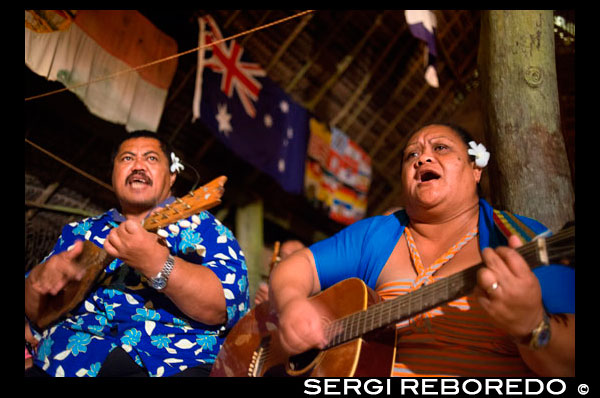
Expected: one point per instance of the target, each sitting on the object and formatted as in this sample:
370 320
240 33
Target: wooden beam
323 45
182 122
231 18
399 116
448 60
343 65
367 78
181 85
423 119
373 91
418 97
260 22
205 147
61 209
417 64
289 41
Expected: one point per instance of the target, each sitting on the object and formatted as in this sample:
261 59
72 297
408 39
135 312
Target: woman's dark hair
462 133
164 145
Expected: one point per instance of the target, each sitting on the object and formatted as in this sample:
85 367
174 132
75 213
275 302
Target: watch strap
540 336
168 267
159 282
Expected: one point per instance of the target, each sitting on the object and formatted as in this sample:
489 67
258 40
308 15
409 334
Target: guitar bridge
258 356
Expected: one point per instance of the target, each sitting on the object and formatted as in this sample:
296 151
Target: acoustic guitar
95 260
361 330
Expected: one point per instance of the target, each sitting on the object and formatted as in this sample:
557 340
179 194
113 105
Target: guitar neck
537 252
203 198
95 259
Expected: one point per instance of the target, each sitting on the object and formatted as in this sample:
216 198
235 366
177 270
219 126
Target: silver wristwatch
159 282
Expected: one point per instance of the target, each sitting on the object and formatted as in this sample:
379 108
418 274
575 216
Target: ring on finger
492 288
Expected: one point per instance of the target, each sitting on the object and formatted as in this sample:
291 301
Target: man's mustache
139 176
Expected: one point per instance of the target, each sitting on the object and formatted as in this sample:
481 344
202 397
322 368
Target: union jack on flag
238 76
247 111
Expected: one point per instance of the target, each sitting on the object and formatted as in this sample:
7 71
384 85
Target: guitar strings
559 247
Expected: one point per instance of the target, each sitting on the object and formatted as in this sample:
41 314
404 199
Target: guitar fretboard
540 251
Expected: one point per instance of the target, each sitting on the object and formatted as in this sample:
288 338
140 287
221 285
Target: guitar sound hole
300 361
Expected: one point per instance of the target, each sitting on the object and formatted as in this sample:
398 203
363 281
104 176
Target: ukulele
275 259
95 260
362 333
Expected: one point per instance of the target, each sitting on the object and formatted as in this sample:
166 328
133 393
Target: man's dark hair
164 145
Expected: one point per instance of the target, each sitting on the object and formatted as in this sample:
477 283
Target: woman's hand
509 291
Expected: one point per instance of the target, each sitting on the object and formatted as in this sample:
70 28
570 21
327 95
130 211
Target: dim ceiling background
361 71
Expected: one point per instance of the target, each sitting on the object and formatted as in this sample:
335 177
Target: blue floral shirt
125 311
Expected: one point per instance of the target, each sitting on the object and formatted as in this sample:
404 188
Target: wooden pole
249 233
529 170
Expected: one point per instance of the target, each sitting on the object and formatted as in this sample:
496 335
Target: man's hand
52 276
137 247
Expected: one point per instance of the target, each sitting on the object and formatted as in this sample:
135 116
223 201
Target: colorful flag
247 111
338 174
422 24
87 45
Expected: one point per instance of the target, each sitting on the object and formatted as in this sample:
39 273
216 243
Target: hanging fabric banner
83 46
338 174
422 24
247 111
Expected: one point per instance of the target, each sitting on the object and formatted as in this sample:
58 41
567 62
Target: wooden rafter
299 27
392 125
367 78
423 119
323 45
261 21
345 63
416 65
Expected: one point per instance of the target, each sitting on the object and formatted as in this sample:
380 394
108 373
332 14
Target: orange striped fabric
456 339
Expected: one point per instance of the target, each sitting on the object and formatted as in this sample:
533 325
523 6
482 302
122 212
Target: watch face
543 337
159 283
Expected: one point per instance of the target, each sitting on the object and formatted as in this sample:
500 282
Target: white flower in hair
481 154
176 165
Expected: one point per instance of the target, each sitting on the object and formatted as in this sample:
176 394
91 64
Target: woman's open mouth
428 176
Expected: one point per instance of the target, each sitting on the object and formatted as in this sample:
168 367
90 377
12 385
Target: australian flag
247 111
422 24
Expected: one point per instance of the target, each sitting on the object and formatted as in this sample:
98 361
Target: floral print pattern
126 312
